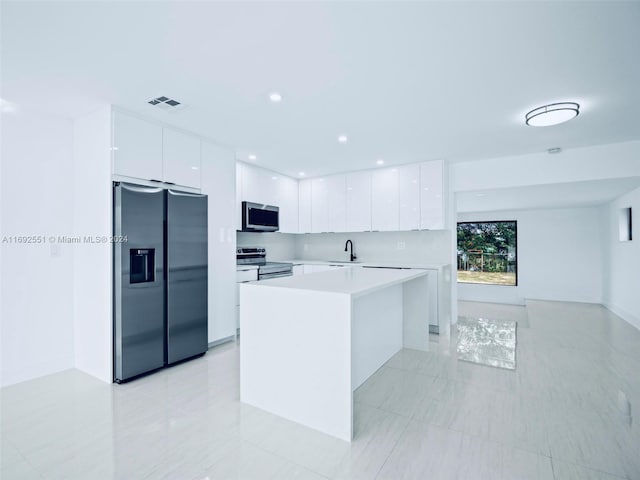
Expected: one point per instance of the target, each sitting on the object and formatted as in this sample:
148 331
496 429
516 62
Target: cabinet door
337 203
137 148
385 200
409 197
180 158
431 201
359 202
304 206
319 206
239 195
287 200
218 183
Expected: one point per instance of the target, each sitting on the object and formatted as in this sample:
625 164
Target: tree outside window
487 252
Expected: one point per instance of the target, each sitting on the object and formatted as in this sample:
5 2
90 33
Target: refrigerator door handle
186 194
140 189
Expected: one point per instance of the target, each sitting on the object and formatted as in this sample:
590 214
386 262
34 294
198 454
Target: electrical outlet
401 245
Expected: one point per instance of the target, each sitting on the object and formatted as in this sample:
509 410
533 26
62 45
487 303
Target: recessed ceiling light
552 114
342 139
302 174
380 161
252 157
274 178
275 97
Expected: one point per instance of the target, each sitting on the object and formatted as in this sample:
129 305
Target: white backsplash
280 246
427 246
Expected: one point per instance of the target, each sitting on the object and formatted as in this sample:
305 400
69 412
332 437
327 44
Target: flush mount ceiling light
380 161
302 174
342 139
275 97
552 114
252 157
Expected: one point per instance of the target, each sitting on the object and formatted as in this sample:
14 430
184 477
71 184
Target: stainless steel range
266 270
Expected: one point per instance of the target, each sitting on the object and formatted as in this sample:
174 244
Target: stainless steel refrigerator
160 278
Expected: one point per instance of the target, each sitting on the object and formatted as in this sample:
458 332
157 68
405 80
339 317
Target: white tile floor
422 416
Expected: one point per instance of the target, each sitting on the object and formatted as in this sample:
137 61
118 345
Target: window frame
516 247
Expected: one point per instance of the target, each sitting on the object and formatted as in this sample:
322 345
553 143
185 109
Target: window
487 252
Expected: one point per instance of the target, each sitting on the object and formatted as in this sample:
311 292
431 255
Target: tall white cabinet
218 183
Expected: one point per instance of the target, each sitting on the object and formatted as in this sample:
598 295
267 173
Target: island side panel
376 335
420 304
295 356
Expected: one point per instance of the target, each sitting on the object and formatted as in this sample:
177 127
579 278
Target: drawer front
246 275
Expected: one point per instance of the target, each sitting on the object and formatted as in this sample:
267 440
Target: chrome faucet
346 248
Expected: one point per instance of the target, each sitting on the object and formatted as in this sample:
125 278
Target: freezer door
139 320
186 275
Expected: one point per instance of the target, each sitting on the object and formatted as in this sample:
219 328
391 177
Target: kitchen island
309 341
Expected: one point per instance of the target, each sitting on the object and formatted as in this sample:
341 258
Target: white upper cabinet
431 195
238 210
137 148
259 185
319 206
336 187
304 206
287 200
147 151
385 200
180 158
359 201
409 197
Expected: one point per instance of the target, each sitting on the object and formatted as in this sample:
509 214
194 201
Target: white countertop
350 281
427 266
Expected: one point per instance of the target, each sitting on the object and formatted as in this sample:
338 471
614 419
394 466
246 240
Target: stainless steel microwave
260 218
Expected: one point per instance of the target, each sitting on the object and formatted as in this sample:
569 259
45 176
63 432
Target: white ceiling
558 195
406 81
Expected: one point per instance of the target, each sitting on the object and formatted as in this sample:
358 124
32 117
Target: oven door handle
269 276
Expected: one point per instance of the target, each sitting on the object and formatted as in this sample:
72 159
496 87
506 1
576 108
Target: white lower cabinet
242 276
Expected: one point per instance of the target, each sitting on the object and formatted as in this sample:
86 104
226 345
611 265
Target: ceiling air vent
166 103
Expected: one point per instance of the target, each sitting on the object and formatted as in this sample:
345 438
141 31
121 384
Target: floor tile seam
282 457
393 449
586 467
417 372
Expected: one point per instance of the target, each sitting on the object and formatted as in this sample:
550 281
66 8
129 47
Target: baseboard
230 338
623 314
11 376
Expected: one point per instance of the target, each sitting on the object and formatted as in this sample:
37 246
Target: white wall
617 160
560 257
426 246
36 198
622 261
